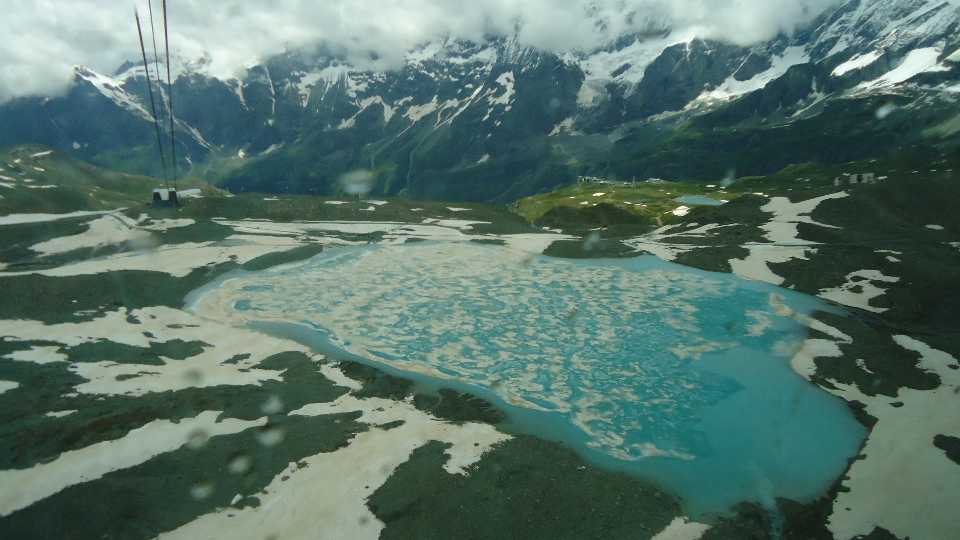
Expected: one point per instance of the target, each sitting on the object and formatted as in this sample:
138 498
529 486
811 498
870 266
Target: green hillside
35 179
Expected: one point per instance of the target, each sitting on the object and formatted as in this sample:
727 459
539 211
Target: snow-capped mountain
497 120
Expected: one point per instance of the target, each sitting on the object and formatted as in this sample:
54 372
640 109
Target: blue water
698 200
674 374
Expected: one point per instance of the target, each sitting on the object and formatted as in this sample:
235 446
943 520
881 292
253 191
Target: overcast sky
43 39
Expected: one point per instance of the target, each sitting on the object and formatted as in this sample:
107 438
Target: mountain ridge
497 120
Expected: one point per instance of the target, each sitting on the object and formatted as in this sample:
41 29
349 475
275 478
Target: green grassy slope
655 201
33 181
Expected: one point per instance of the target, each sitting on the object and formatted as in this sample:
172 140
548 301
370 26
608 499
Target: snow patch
388 111
566 125
900 450
732 88
38 355
238 248
784 237
859 290
856 63
195 193
916 62
589 93
325 79
507 81
427 52
415 113
658 242
88 464
112 90
630 63
162 225
298 499
271 149
682 528
203 370
484 56
16 219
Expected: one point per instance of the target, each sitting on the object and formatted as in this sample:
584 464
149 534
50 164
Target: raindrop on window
271 436
202 491
885 111
273 405
193 376
197 439
240 464
591 241
729 178
359 182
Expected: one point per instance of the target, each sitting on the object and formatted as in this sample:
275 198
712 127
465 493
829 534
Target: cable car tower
166 195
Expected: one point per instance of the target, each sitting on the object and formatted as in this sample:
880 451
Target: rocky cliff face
496 121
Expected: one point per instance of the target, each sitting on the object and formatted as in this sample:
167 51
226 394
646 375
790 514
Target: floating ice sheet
639 363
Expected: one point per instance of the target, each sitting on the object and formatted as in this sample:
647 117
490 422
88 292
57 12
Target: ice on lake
676 374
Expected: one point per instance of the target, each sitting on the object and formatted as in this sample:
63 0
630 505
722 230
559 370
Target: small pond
698 200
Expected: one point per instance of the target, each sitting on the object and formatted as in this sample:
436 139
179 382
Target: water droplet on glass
193 376
885 111
273 405
729 178
201 491
359 182
197 439
271 436
240 464
591 241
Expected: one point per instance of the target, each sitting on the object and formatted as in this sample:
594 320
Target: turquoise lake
698 200
673 374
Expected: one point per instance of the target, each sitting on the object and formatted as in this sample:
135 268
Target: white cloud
44 39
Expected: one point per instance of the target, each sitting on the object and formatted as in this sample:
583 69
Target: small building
163 197
855 179
606 181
